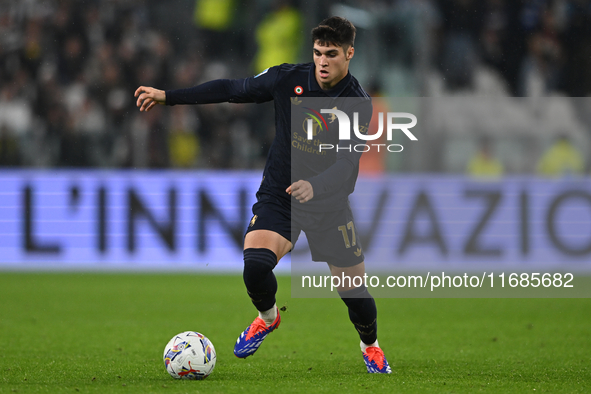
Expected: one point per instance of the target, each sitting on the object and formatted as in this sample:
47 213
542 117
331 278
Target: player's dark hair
336 31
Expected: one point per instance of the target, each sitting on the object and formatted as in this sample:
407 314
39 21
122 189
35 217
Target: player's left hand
301 190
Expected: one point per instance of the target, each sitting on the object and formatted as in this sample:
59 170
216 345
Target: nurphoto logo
361 133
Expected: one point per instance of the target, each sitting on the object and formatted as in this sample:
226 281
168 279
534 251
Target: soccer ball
189 355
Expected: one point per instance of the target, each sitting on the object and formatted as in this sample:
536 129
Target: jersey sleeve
257 89
261 87
347 162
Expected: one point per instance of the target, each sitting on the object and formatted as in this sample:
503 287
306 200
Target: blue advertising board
195 220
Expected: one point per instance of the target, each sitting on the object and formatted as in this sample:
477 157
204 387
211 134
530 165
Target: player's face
332 64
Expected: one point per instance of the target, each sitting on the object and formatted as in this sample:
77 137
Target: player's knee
359 302
355 293
257 264
362 309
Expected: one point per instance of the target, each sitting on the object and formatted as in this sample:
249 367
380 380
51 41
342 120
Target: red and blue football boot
250 340
375 361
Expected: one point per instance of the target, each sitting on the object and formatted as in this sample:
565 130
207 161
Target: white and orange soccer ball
189 355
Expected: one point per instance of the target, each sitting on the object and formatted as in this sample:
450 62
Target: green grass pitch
104 333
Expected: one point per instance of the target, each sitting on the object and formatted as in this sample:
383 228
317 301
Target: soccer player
311 197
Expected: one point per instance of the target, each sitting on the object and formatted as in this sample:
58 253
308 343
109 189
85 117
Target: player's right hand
148 97
301 190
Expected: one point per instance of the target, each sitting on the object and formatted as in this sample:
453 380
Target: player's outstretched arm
148 97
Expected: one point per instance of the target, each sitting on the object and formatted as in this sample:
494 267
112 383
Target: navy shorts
332 236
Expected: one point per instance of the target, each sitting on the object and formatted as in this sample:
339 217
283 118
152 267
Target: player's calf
259 278
261 286
363 314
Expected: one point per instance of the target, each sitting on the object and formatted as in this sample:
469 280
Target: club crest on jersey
298 90
254 219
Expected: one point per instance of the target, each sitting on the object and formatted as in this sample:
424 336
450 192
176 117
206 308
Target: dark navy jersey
332 174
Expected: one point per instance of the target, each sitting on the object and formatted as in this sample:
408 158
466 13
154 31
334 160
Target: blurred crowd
537 46
69 68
